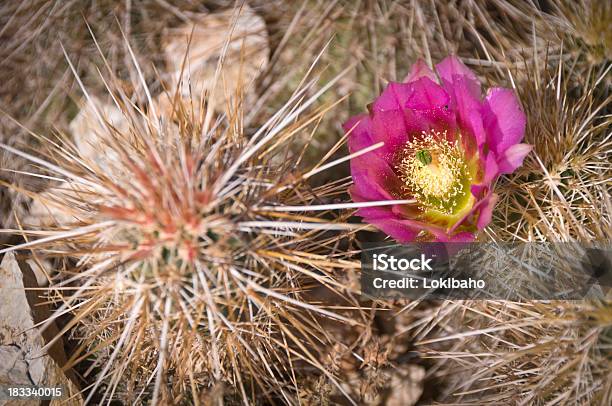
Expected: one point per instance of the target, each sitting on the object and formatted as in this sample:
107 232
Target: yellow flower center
434 171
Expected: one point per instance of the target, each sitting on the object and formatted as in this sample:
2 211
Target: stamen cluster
434 171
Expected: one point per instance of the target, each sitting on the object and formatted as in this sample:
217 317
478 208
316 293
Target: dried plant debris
500 352
562 193
217 53
580 27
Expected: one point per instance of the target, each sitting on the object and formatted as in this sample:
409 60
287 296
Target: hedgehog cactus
189 272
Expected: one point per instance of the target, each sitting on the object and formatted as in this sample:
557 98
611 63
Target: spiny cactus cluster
189 203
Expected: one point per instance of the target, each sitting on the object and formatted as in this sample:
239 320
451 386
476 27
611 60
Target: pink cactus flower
444 147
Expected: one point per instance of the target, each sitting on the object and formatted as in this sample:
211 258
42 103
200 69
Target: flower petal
394 218
478 190
459 237
361 132
393 97
421 93
470 118
393 128
486 207
463 88
396 127
513 157
407 109
491 170
480 213
425 94
452 71
419 70
373 179
433 229
385 219
504 120
376 212
395 228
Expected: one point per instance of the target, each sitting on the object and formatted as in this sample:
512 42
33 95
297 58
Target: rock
43 214
247 54
13 368
14 371
92 137
169 110
42 269
22 361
